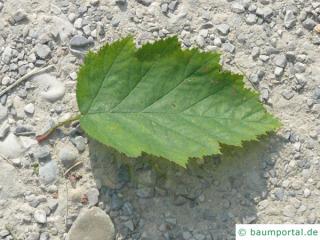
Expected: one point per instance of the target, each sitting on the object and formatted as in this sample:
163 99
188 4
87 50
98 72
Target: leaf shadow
208 197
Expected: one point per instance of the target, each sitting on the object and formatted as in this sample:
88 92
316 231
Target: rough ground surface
275 43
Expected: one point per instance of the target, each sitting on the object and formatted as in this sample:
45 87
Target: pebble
228 47
3 112
42 51
237 8
80 143
289 19
287 94
20 16
78 23
92 222
79 41
40 216
11 147
280 60
309 24
29 108
4 130
68 155
144 2
41 153
265 12
278 71
48 172
52 89
223 29
93 196
251 19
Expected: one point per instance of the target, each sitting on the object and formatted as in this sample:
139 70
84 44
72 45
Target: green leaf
165 101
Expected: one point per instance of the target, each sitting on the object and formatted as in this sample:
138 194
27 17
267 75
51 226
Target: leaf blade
175 103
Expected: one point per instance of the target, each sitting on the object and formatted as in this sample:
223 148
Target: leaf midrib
175 114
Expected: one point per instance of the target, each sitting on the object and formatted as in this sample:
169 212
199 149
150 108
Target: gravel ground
108 196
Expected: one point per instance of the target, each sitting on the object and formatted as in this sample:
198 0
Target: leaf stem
42 137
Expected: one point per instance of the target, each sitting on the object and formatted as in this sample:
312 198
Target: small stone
79 41
200 41
299 67
287 94
217 42
72 17
78 23
265 12
40 216
52 89
223 29
164 7
92 222
129 224
44 236
48 172
264 94
289 211
145 192
4 129
251 19
115 22
289 19
7 54
306 193
20 16
173 5
309 24
228 47
317 28
41 153
93 196
121 2
144 2
80 143
237 8
68 155
4 233
29 108
42 51
280 60
278 71
3 112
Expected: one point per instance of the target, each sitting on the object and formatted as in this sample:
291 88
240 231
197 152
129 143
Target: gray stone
121 2
264 94
42 51
79 41
309 24
93 224
173 5
68 155
11 147
278 71
78 23
145 192
80 143
41 153
3 112
44 236
265 12
48 172
223 29
251 19
29 108
164 7
144 2
40 216
289 19
237 8
4 129
51 88
129 224
280 60
228 47
7 55
93 196
19 16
